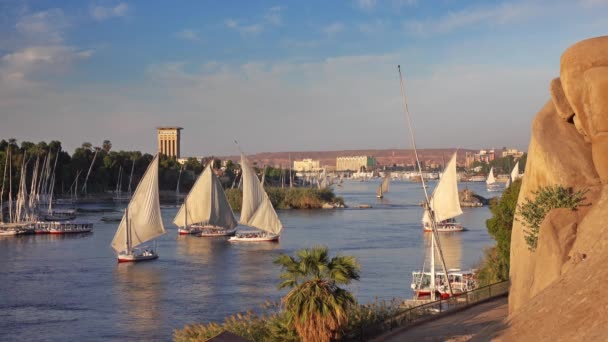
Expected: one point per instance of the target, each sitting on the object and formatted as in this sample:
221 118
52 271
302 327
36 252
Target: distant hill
383 157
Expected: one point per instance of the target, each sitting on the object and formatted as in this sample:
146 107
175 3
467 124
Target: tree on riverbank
316 306
496 263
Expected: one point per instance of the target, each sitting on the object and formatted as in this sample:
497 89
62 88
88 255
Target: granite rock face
556 291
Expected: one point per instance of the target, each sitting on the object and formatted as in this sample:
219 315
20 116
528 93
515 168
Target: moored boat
460 281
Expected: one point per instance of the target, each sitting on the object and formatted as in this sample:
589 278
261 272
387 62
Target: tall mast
128 230
53 182
290 179
2 192
435 236
131 176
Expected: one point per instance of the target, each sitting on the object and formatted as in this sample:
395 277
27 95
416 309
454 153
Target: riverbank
291 198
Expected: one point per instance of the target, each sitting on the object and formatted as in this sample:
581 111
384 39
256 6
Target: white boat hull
217 232
259 238
446 228
137 257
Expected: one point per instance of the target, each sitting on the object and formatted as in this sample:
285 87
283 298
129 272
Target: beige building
169 141
355 163
512 152
306 165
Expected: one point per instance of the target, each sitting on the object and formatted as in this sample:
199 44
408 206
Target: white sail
491 180
426 219
145 221
445 202
257 211
515 172
206 203
385 183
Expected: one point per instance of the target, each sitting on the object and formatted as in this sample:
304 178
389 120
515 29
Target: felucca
142 220
256 210
383 187
491 182
444 203
207 208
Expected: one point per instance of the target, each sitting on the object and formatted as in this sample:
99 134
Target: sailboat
383 187
256 210
491 182
444 203
142 220
442 206
119 196
207 208
514 175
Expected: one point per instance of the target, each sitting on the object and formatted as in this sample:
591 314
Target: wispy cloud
252 29
100 13
41 50
46 26
333 29
375 26
272 17
593 3
501 14
188 34
366 4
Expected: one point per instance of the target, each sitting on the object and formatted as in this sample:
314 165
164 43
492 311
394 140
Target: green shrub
272 326
533 212
496 262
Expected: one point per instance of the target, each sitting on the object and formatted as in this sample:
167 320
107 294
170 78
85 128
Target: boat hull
136 258
60 231
219 232
269 238
181 231
446 228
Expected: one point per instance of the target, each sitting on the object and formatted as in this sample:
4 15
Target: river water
70 288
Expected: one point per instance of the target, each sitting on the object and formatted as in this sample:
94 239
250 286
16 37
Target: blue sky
283 75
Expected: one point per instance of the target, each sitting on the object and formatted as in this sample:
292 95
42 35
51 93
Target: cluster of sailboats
31 211
204 213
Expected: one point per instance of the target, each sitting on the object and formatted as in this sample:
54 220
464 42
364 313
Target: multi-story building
169 141
483 156
306 165
512 152
355 163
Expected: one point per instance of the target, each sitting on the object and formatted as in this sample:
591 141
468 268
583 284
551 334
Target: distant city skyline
297 76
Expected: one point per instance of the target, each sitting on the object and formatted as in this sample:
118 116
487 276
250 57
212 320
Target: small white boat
257 210
210 231
491 183
383 187
60 215
63 227
142 220
445 203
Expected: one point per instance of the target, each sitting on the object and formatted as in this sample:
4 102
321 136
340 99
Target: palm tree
316 305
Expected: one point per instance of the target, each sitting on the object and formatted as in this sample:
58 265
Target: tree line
100 167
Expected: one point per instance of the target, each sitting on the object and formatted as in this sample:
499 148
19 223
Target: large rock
557 291
567 162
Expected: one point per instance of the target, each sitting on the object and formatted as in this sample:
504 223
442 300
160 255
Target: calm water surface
70 288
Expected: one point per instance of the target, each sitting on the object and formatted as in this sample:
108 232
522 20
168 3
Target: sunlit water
70 288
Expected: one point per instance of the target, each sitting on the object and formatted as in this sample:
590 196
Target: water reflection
451 245
138 292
